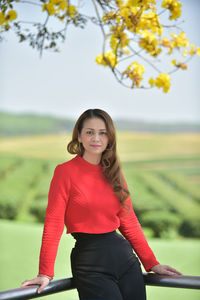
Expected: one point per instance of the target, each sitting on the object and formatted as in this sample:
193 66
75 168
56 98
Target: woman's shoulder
67 165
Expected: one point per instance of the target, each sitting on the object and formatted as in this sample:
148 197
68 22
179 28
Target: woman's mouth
95 146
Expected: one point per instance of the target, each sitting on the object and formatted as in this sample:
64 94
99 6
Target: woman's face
93 137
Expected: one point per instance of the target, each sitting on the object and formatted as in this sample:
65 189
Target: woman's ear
79 138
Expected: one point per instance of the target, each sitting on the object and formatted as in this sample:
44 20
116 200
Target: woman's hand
41 281
165 270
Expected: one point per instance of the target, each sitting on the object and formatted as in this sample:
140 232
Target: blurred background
158 145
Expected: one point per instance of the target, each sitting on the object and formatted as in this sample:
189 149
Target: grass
20 246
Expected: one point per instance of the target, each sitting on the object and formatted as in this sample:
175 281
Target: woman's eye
103 132
89 132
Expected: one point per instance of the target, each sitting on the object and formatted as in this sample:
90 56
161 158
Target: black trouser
105 267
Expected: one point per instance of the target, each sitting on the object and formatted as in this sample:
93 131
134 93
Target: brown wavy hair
111 166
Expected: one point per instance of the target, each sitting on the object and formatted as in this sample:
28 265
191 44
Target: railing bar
59 285
190 282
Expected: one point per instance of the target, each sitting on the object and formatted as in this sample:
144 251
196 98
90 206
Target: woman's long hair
111 166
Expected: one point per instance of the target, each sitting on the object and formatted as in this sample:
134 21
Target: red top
81 198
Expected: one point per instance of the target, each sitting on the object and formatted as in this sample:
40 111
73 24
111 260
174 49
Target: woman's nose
96 137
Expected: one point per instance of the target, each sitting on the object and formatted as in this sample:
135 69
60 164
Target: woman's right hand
41 281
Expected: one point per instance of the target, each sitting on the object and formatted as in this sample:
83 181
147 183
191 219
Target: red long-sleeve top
81 198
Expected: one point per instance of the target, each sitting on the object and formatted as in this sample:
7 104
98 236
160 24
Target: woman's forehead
94 123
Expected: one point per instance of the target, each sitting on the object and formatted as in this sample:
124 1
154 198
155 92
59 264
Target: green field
163 175
162 172
20 245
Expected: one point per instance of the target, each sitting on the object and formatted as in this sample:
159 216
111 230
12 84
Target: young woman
90 196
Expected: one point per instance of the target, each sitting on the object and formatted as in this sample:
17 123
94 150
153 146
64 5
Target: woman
90 196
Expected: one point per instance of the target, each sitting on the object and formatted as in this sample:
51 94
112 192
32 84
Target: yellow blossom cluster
150 21
162 81
149 43
5 18
109 58
193 51
174 7
130 15
179 64
118 38
54 7
177 41
146 4
135 73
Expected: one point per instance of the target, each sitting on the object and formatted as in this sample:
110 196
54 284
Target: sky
67 83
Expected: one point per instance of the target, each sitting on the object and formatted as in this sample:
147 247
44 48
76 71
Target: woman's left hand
165 270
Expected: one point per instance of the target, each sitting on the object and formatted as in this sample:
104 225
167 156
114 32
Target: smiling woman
90 196
106 154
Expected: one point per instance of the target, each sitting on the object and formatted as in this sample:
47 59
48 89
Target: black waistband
82 235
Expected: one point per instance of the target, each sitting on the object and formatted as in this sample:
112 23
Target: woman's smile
95 146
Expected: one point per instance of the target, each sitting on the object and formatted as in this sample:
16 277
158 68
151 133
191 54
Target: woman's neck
93 159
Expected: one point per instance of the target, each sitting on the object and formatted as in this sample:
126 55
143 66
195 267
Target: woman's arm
53 227
54 220
132 231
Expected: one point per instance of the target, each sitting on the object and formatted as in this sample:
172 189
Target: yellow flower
162 81
109 16
182 66
174 7
192 51
71 10
149 43
135 73
134 2
109 58
119 2
11 15
62 5
151 81
138 3
151 22
113 42
165 42
178 41
179 64
198 51
55 2
125 12
173 62
49 7
139 69
185 53
2 18
99 59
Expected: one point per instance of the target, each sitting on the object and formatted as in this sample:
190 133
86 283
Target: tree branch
145 59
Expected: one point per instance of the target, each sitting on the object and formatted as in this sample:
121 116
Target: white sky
70 82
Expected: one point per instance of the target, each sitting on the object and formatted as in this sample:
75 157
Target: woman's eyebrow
94 129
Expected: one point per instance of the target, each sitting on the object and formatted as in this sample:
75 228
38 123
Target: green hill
30 124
